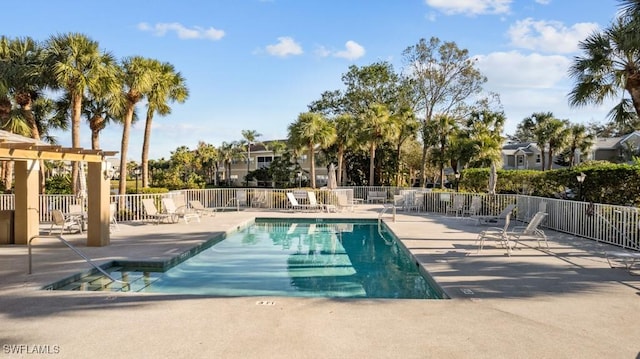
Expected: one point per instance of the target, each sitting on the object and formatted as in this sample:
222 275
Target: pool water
301 259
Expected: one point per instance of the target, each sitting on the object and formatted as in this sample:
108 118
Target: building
260 156
521 156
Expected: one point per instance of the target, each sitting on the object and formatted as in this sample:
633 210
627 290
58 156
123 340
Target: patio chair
201 209
495 219
64 222
314 204
183 212
499 234
474 207
295 205
456 206
531 231
152 213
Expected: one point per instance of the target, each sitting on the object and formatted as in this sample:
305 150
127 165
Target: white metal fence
617 225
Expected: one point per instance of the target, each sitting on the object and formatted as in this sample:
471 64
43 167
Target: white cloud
352 51
543 2
508 70
196 32
286 46
471 7
549 36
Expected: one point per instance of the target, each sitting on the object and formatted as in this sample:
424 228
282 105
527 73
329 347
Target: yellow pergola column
98 186
26 188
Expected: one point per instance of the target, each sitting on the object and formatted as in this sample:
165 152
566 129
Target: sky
258 64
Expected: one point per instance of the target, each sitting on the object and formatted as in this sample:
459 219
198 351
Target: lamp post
136 172
299 179
580 179
457 175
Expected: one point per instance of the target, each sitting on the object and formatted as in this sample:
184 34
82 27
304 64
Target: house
527 155
616 149
521 156
260 156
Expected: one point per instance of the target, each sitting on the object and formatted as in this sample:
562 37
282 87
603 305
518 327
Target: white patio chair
456 206
64 222
179 212
495 219
531 231
313 202
152 213
201 209
499 234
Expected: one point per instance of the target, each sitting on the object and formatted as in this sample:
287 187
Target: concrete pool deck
564 302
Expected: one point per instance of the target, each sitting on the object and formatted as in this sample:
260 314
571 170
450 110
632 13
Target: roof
16 147
513 148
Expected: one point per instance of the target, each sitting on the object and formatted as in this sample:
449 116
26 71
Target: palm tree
137 80
407 125
485 131
558 132
309 130
168 85
345 129
377 127
249 139
442 128
76 64
539 123
610 65
579 141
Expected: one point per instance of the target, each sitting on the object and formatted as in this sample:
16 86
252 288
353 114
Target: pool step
137 281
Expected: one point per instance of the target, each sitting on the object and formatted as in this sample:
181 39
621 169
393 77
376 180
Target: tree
580 141
137 80
346 137
443 129
609 66
76 64
249 139
376 128
538 125
558 134
485 132
309 130
168 86
444 77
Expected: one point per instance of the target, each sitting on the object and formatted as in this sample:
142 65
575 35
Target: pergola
26 154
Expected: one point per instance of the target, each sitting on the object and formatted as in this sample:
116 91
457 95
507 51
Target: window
264 162
538 158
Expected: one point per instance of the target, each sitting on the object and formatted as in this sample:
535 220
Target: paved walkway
564 302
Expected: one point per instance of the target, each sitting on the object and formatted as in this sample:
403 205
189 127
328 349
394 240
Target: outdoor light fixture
580 179
457 176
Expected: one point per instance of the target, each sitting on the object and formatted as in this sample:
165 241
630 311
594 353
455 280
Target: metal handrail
78 252
385 207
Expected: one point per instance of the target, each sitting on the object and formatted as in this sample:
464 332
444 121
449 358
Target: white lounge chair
499 234
495 219
179 212
64 222
474 207
531 231
152 213
295 205
456 206
201 209
314 204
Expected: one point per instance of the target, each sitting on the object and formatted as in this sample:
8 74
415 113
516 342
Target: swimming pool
275 257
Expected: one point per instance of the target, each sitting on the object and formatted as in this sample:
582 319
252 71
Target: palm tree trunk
126 129
76 102
372 163
8 176
145 149
35 134
340 165
312 163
